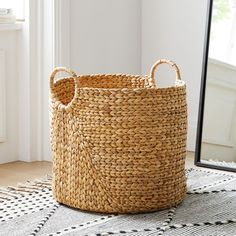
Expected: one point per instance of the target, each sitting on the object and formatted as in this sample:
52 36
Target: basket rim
69 106
178 83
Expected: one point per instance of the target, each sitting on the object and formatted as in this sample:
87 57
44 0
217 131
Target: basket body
118 143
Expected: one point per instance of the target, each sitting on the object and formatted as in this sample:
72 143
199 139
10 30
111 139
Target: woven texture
118 142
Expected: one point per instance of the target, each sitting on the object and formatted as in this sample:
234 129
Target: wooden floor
19 172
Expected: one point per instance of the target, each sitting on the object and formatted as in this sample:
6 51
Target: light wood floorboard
19 172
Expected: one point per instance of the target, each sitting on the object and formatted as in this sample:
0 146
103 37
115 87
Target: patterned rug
209 209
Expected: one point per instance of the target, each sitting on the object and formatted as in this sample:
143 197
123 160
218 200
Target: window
16 5
223 31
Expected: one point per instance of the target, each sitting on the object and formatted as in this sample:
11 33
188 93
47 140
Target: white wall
37 49
29 61
105 36
9 148
175 30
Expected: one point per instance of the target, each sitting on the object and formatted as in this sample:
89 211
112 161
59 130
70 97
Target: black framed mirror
216 134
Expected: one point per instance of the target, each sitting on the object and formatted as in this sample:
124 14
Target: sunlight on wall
223 31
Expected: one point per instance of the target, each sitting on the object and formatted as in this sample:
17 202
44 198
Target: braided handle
60 69
164 61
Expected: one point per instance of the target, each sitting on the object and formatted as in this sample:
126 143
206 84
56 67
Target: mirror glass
217 119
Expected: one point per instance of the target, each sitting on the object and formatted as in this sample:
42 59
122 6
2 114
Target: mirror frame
197 160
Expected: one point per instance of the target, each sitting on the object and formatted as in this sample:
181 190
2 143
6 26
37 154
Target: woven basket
118 141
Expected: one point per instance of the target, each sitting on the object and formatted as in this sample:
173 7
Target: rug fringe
22 189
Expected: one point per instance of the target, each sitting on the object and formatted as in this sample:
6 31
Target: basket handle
164 61
60 69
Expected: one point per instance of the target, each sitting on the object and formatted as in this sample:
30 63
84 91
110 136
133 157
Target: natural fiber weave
118 142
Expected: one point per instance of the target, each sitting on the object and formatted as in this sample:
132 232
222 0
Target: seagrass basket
118 141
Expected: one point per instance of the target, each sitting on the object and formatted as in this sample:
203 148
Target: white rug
209 209
219 163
